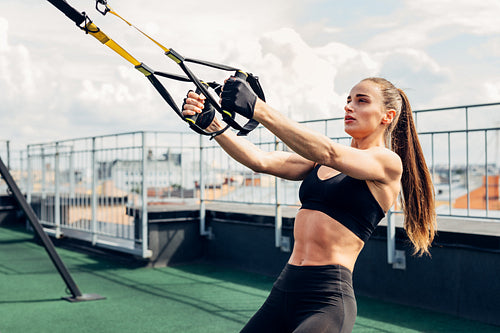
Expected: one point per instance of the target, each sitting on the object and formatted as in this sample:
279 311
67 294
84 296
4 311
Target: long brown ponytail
417 197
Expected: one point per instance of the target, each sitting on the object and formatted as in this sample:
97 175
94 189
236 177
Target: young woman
346 191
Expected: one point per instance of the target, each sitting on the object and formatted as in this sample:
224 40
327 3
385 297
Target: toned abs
321 240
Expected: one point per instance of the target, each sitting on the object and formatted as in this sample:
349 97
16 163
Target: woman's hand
194 105
238 96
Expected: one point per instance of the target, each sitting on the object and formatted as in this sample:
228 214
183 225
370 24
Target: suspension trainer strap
69 11
227 116
84 23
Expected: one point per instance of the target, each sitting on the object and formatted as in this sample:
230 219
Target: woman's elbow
263 163
327 157
257 166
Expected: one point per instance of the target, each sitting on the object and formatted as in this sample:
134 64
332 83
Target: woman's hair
417 196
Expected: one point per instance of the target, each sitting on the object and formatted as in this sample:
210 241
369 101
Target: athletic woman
346 191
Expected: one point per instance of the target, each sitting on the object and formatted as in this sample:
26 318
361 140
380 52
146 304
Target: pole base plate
84 298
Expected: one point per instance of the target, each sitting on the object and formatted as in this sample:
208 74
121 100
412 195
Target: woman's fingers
188 111
193 104
194 95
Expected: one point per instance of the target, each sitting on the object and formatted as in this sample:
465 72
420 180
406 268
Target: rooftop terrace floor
193 298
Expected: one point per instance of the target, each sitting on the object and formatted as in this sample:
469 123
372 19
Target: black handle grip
192 119
241 75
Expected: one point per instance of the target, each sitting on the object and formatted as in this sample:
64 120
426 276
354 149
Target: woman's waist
316 256
316 231
324 279
321 240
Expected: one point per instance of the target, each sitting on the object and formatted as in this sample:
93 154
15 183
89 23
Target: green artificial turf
189 298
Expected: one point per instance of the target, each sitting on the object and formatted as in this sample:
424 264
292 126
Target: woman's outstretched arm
375 163
287 165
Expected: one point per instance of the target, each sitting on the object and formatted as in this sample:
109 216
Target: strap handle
229 117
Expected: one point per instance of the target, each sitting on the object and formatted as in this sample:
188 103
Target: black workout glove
237 96
205 118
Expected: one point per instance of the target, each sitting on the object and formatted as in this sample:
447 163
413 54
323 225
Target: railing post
71 173
467 171
182 168
43 204
57 195
29 180
486 173
8 154
450 203
203 212
169 173
278 219
93 223
22 181
44 189
391 237
144 192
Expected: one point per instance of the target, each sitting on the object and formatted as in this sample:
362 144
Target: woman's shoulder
390 161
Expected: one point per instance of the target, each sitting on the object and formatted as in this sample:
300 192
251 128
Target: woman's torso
320 239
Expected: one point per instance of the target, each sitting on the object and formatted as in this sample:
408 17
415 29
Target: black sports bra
345 199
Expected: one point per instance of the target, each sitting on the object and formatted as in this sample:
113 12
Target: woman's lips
348 119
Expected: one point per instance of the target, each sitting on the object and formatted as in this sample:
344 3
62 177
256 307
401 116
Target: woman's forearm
282 164
240 149
302 140
278 163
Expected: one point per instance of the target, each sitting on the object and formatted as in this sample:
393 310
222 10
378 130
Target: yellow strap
103 38
130 24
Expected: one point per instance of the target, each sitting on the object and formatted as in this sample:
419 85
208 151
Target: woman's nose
347 107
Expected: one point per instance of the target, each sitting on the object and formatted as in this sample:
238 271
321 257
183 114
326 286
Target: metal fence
461 146
462 149
100 188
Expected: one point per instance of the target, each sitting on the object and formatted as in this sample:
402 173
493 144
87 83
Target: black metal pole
47 243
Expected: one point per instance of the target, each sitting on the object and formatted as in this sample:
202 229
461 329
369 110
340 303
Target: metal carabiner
105 4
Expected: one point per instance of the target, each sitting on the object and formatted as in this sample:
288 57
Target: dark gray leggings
307 299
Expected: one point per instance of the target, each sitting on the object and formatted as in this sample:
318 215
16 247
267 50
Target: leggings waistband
327 278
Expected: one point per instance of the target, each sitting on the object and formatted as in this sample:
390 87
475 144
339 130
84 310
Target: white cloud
351 65
420 24
4 27
56 82
489 49
478 17
302 77
492 90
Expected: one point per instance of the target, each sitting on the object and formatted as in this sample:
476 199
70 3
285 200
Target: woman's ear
389 116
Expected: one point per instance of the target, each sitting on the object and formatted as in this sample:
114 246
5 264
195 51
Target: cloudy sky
58 83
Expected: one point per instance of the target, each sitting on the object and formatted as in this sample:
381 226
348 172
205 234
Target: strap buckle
87 22
103 3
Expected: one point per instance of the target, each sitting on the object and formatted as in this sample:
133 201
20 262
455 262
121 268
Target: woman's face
364 111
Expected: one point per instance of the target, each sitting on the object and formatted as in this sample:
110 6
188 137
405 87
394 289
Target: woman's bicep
377 164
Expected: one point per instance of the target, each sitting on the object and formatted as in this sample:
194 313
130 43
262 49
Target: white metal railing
462 149
99 188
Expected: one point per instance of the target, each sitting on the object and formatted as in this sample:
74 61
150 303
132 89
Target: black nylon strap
69 11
